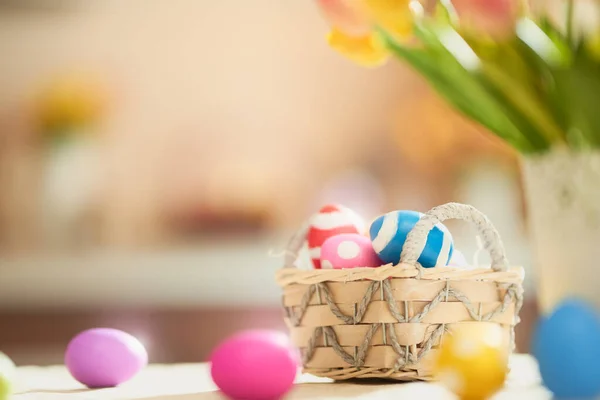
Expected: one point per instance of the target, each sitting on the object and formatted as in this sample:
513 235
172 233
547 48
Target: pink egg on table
105 357
348 250
255 365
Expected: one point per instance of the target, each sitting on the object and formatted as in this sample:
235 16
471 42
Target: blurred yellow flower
394 16
353 23
364 50
69 104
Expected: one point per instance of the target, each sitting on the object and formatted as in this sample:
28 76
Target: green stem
449 12
569 21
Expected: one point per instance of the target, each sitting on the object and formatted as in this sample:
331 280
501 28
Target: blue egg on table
567 346
388 234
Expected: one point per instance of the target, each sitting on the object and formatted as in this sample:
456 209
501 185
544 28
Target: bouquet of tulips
530 79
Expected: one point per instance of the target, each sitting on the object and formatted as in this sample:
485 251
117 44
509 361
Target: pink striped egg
348 250
331 220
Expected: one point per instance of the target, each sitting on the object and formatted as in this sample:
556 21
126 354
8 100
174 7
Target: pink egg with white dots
349 250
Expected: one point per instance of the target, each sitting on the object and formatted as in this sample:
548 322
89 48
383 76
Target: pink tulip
349 16
493 17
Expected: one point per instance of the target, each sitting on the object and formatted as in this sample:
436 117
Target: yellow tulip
353 23
393 16
368 50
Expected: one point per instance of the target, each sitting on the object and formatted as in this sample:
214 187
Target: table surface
192 382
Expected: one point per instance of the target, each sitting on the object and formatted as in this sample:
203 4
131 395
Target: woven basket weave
389 322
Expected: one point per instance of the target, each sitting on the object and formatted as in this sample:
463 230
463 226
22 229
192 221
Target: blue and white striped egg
388 234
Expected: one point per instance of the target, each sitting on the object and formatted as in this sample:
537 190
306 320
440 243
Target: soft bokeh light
189 138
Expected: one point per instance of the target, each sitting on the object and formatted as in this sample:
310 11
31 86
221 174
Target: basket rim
289 276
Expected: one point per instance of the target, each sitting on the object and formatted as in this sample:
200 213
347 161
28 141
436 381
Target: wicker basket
389 322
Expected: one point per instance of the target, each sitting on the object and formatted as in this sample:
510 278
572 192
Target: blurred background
156 155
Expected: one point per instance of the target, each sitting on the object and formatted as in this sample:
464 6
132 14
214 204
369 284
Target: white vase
562 190
71 183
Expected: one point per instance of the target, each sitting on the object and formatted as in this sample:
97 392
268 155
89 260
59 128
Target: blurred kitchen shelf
225 274
220 273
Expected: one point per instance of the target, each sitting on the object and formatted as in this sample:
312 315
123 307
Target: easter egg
7 375
331 220
104 357
567 347
472 361
388 234
255 365
348 250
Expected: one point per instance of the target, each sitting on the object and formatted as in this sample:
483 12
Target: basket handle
295 245
417 237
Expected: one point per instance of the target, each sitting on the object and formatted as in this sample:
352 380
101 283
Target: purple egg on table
105 357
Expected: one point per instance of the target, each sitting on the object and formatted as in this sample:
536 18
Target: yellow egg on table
472 361
7 373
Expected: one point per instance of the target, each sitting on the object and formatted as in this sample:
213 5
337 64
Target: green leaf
455 73
523 98
502 71
445 13
546 41
579 89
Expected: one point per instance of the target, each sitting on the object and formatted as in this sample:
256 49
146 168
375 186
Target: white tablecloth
192 382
